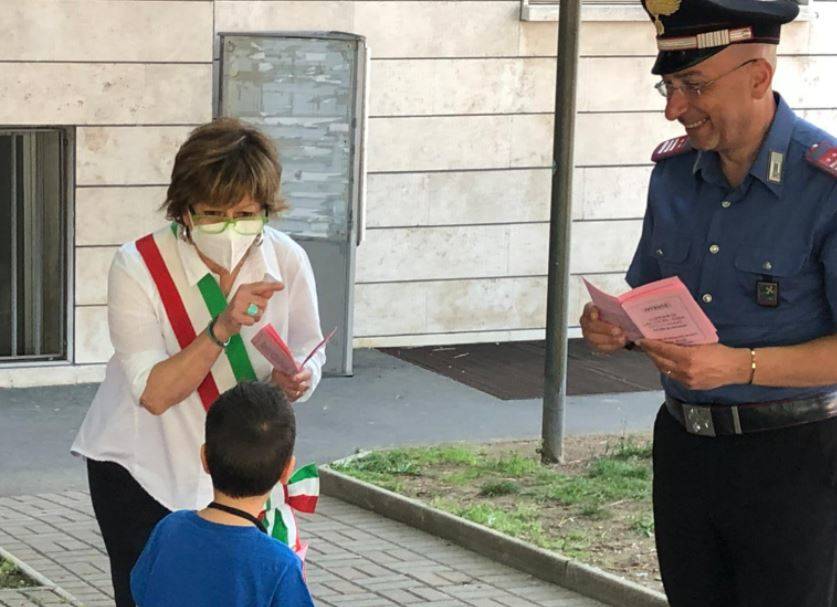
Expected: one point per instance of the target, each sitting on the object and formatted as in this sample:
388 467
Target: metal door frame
357 191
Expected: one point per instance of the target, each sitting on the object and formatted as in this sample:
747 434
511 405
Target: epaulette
672 147
824 157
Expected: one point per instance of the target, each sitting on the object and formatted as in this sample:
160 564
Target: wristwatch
210 330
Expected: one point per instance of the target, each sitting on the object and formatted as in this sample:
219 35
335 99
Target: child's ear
289 469
203 458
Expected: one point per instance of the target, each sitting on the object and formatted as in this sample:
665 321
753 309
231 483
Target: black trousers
749 520
126 515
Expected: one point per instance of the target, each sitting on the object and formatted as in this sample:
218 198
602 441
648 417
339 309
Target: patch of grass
497 488
384 468
617 469
595 511
568 490
410 461
627 448
574 545
12 577
448 454
397 461
644 525
600 500
611 478
520 522
513 465
461 477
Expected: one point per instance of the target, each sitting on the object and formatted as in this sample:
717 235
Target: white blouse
162 452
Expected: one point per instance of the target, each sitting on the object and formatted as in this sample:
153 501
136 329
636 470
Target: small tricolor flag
299 494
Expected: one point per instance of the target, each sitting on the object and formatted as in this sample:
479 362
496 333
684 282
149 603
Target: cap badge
662 7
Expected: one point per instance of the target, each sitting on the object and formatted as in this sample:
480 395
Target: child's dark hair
250 434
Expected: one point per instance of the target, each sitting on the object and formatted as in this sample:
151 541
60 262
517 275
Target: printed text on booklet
663 310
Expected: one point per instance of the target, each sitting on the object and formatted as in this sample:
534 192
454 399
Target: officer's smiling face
719 117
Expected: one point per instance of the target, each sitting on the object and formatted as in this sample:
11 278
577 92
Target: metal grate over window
33 245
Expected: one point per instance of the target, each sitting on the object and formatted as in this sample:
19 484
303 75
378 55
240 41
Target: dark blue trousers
748 520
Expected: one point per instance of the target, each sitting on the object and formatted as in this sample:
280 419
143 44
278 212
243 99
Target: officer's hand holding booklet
663 310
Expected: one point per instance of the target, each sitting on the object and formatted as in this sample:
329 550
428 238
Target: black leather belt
719 420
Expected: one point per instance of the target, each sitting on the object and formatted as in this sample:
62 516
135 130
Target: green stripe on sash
236 352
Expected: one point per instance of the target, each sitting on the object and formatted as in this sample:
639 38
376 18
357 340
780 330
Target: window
33 245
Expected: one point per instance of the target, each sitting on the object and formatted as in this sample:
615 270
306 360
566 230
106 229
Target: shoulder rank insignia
672 147
824 157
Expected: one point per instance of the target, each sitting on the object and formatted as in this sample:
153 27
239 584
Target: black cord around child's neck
239 513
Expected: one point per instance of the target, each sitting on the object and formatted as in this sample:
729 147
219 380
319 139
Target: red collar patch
824 157
672 147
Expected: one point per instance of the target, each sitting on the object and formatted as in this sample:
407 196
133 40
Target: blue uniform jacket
779 225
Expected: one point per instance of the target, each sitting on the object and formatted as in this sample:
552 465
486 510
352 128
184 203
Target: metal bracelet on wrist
210 330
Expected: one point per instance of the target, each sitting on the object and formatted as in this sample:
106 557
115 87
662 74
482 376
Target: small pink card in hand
274 349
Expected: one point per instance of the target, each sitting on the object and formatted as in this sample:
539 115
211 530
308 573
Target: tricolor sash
188 307
301 494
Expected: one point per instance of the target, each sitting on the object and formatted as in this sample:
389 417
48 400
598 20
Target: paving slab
356 559
31 597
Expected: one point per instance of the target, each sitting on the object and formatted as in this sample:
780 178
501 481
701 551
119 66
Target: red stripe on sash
175 310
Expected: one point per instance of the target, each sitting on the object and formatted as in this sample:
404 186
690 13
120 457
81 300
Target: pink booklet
663 309
273 347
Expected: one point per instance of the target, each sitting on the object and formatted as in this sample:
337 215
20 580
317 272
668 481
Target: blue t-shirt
192 561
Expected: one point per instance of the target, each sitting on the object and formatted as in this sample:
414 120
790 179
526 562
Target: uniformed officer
743 208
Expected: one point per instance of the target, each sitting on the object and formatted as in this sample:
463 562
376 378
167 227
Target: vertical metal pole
555 385
13 244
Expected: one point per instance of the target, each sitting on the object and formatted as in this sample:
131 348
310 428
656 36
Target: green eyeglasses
246 225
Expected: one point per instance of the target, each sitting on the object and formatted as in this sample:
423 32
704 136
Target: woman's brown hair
219 164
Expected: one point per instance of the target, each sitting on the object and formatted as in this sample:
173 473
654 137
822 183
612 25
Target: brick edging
540 563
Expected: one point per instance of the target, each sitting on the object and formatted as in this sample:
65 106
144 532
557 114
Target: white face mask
226 249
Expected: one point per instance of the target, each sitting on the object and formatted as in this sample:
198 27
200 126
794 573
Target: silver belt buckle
698 420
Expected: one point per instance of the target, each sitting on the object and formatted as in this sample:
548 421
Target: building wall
459 144
132 77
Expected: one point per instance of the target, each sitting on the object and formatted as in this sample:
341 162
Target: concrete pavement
387 402
357 559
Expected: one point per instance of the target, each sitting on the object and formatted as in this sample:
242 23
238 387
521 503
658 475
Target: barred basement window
33 245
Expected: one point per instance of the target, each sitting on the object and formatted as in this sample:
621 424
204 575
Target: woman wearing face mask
183 305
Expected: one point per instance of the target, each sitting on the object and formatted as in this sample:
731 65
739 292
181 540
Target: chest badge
774 172
767 293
